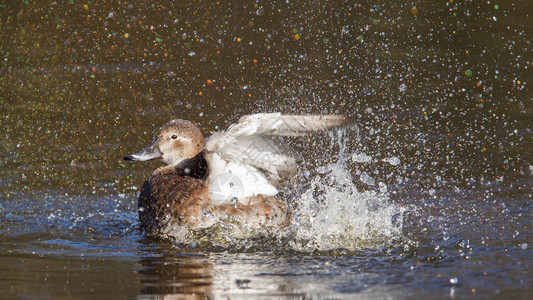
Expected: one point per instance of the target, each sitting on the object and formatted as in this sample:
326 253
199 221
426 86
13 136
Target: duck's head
176 141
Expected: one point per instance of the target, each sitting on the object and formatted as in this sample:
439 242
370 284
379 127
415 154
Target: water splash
333 214
329 213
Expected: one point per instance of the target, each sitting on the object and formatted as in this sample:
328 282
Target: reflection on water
441 92
162 271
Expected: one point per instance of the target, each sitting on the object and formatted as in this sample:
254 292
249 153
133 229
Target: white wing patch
234 181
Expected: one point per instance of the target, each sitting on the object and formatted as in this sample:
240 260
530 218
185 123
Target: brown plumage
177 197
170 199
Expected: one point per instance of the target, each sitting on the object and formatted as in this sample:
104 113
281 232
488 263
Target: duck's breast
168 199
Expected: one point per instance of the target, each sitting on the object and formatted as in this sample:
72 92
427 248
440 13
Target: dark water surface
440 89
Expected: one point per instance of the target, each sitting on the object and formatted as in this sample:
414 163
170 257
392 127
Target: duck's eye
174 136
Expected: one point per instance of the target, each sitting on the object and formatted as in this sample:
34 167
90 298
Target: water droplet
402 88
393 161
366 179
361 158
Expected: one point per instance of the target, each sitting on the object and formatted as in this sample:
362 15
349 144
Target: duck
236 174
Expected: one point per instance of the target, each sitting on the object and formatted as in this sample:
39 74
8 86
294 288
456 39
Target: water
432 197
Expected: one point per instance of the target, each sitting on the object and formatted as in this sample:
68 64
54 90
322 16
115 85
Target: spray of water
341 217
333 214
329 213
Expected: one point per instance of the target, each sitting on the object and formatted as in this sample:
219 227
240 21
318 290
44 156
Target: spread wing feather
246 151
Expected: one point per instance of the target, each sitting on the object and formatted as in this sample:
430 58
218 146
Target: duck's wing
243 161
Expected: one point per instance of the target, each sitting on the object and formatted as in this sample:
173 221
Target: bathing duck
235 174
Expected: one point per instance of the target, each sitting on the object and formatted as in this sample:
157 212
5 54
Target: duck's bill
149 153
